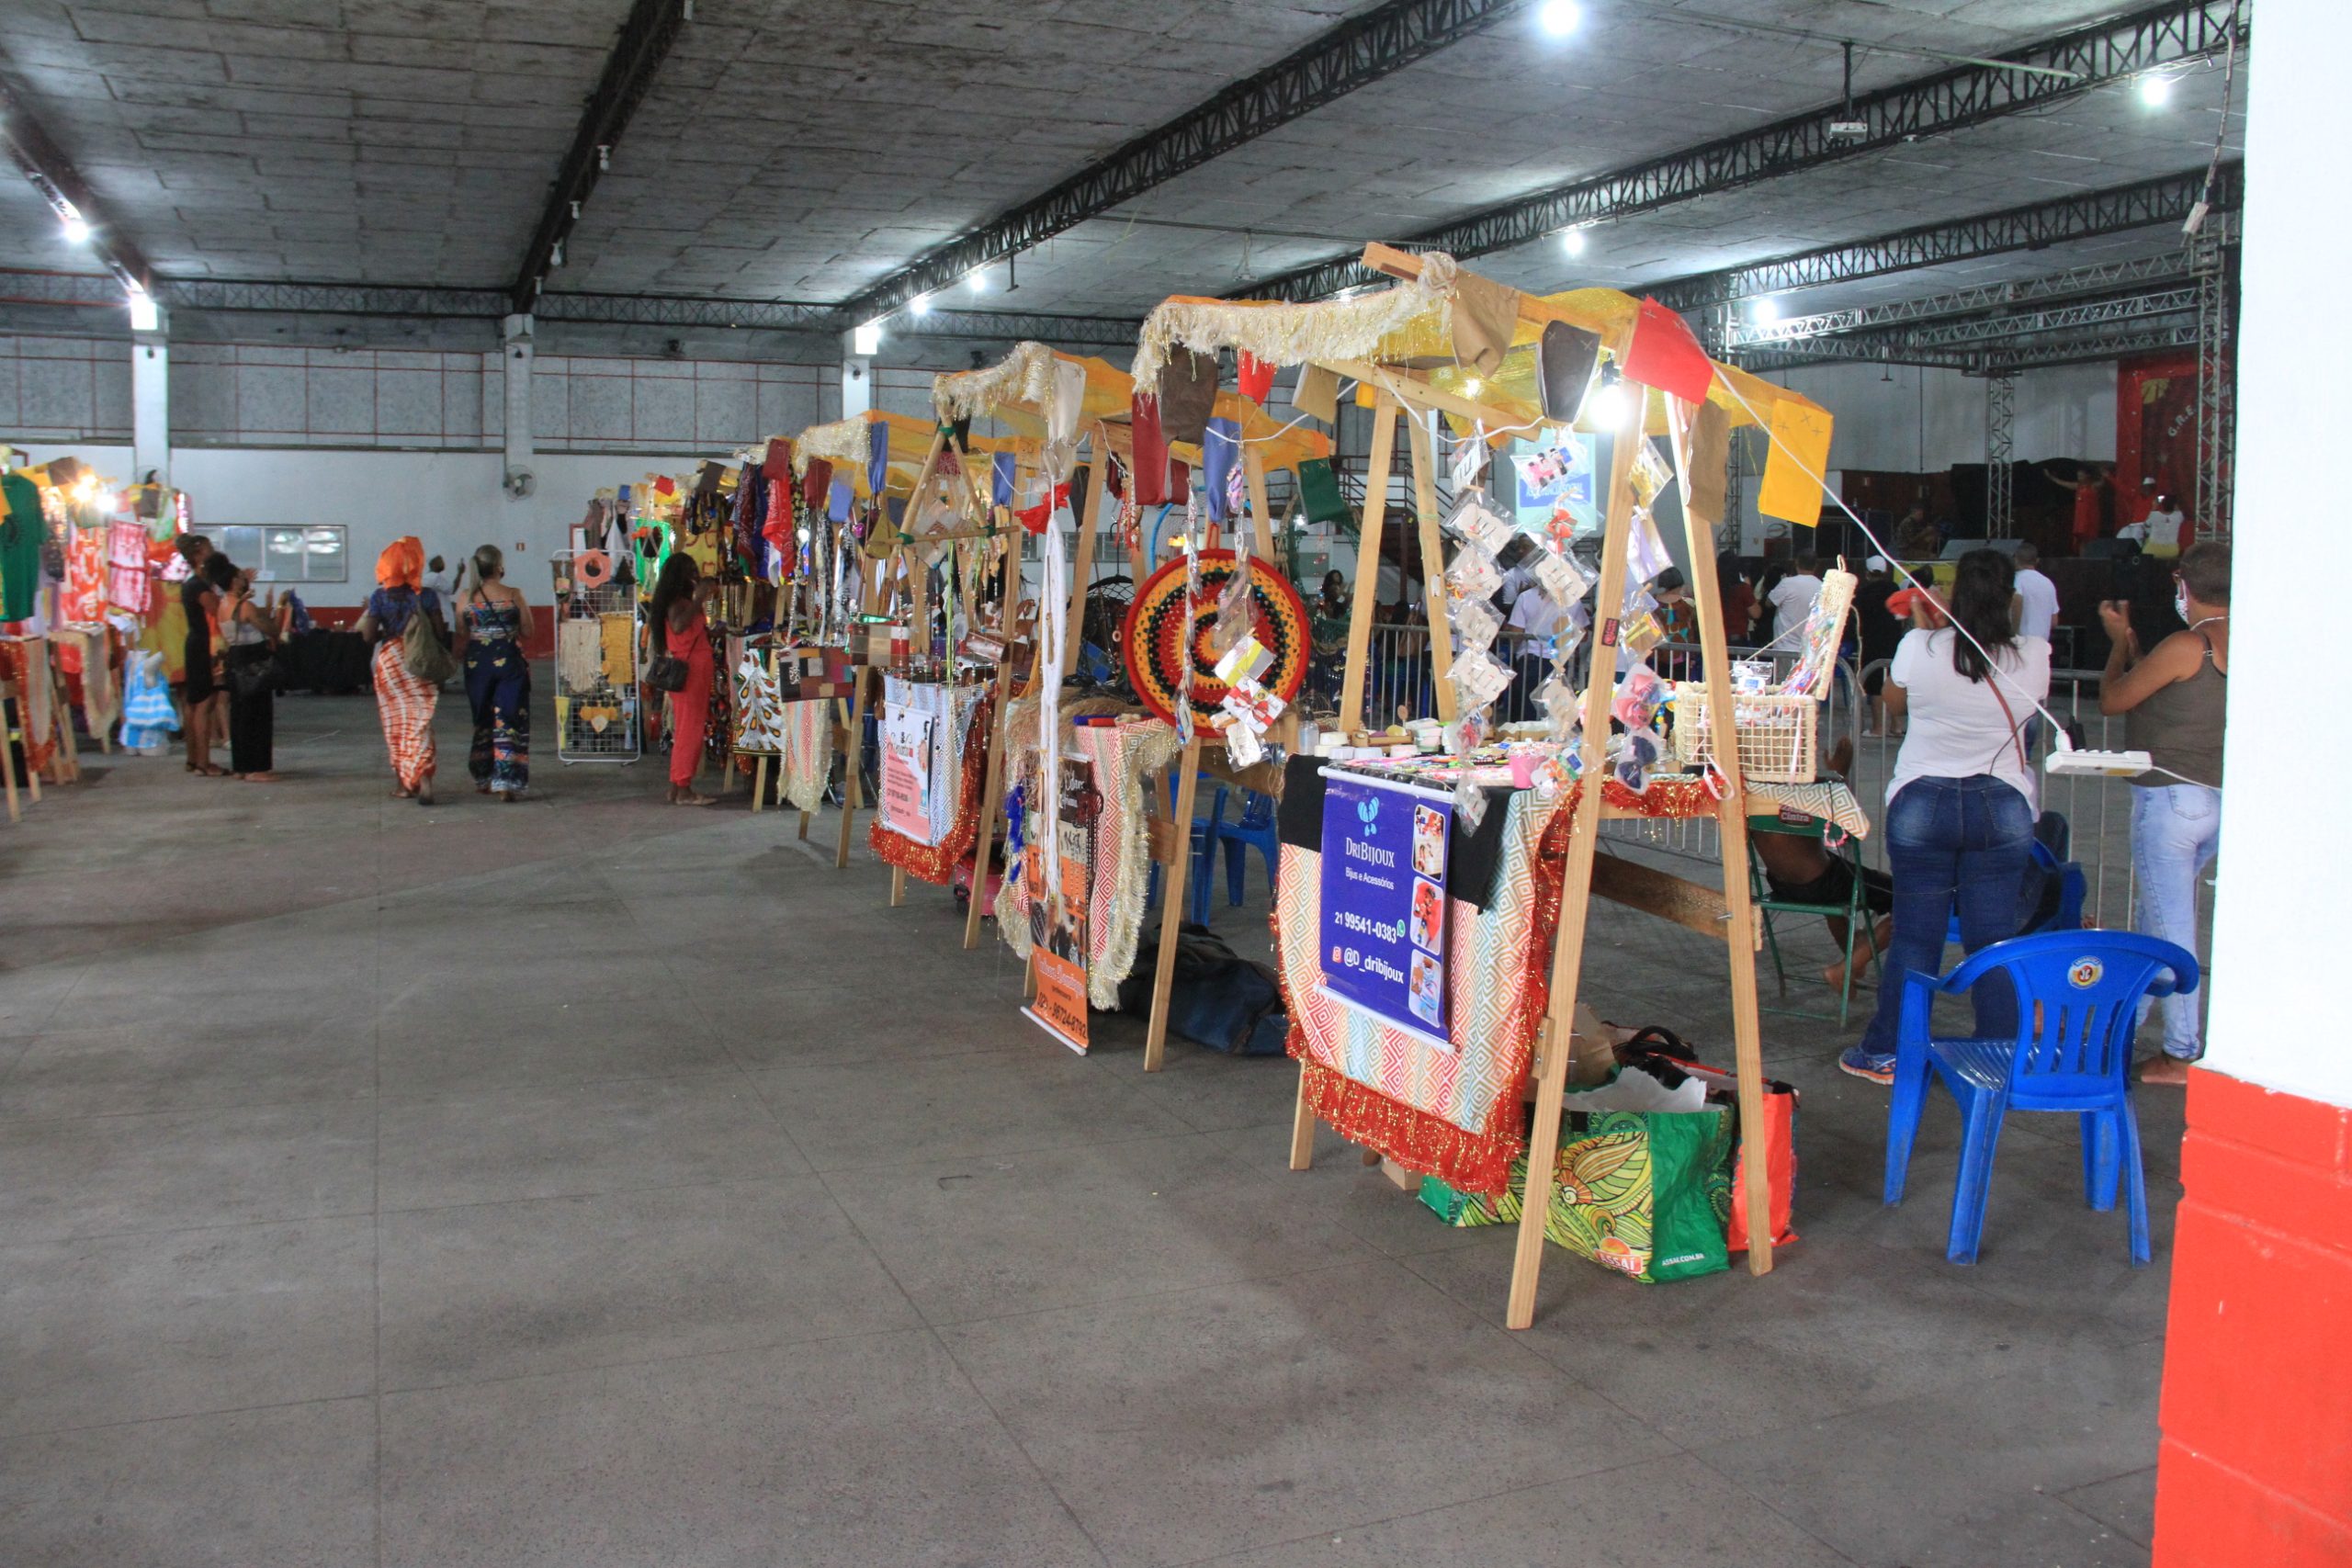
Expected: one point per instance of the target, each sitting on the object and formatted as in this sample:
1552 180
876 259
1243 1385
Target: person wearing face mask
2173 698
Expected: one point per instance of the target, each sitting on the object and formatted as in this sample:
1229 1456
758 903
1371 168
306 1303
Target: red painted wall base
2256 1461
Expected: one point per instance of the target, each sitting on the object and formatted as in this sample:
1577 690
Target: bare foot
259 778
402 795
688 797
2166 1070
1834 976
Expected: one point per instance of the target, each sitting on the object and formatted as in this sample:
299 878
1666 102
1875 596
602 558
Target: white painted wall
2279 997
1925 421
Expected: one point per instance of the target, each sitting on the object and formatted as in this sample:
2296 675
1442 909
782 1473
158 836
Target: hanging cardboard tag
1470 457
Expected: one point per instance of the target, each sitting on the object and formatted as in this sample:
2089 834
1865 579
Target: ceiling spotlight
2155 90
144 317
868 337
1572 242
976 281
918 306
1607 407
555 256
1560 18
1766 312
77 230
603 154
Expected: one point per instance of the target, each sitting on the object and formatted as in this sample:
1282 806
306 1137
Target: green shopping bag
1645 1193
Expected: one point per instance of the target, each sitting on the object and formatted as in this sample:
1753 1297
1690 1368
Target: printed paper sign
1059 926
1384 903
906 773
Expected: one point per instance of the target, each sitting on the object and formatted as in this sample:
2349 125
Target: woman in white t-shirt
1960 808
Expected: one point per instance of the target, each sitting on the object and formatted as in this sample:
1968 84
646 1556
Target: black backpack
1218 999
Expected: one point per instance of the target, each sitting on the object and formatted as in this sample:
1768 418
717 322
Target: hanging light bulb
1560 18
1606 408
976 281
1572 241
1473 387
78 229
1766 312
2155 89
918 306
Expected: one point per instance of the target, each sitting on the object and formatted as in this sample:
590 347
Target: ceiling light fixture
2155 89
1560 18
77 228
868 337
604 155
976 281
1572 241
1605 410
1473 387
1766 312
918 306
144 318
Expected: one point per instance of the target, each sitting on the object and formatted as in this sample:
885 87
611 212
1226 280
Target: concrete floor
589 1183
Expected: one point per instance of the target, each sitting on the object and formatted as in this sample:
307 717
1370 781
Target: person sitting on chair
1800 869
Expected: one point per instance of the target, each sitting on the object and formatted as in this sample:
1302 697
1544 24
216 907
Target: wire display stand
597 676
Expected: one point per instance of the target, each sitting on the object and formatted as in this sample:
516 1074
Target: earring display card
1473 574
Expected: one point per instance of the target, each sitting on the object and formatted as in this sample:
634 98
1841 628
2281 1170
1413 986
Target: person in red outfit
680 630
2091 484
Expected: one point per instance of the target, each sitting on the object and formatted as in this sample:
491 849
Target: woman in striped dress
404 703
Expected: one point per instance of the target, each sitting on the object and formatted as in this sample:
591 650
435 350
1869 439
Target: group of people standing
493 625
230 684
1967 682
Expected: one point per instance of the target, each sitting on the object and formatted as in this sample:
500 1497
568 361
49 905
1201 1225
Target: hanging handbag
666 673
423 651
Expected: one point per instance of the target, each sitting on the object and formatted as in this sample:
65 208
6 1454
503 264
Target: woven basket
1776 733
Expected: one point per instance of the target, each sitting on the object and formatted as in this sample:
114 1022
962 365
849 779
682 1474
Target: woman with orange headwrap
404 702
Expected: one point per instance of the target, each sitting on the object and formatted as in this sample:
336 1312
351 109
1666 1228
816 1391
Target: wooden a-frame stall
1385 343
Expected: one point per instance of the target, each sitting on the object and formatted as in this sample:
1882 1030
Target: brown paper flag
1485 315
1710 458
1317 394
1800 458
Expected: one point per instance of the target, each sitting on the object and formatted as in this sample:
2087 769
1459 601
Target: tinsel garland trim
1288 333
935 863
1023 378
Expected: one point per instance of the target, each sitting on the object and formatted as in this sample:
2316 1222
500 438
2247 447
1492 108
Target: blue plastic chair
2078 996
1205 831
1256 831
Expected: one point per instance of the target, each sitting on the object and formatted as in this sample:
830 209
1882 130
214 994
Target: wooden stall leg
759 784
803 826
1171 911
9 763
1302 1127
852 756
1576 895
898 885
1367 587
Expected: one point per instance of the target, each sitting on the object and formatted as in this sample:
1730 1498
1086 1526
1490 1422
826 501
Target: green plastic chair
1854 911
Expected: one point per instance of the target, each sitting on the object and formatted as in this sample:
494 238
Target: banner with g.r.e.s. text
1383 901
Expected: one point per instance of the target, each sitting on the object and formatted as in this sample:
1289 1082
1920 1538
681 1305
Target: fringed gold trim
1024 378
1294 335
844 441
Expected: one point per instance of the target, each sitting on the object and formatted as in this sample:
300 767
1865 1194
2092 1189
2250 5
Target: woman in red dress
680 631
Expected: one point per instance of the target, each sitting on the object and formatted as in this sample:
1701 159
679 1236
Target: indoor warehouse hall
1346 782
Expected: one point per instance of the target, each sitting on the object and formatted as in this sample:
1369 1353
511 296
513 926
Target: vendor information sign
1383 901
906 772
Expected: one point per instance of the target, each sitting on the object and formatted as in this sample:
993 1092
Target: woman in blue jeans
2174 697
1960 806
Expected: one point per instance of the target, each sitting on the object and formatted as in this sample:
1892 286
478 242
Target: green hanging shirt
20 536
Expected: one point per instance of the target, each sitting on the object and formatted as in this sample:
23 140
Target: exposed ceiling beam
2065 335
72 289
2080 283
2168 199
1357 53
68 195
2145 39
644 43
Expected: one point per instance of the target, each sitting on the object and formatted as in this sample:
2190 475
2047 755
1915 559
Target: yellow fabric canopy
843 444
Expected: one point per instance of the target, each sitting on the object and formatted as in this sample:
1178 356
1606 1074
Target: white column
514 333
857 371
151 401
2277 1005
